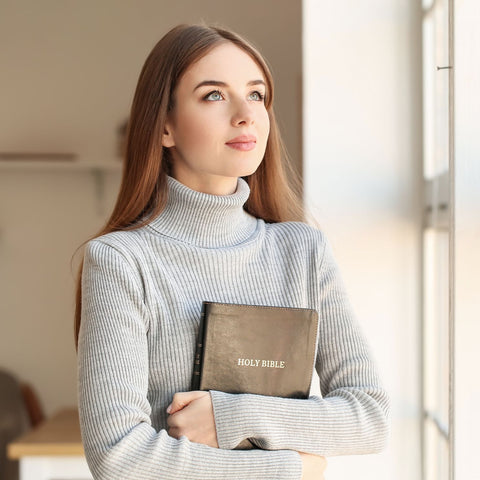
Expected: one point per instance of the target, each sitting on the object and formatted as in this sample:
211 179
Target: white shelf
113 165
97 170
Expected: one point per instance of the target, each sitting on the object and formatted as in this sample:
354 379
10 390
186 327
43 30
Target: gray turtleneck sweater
141 305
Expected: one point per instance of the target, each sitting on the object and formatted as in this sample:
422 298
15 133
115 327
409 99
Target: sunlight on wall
362 170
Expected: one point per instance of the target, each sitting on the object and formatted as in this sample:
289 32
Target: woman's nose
243 114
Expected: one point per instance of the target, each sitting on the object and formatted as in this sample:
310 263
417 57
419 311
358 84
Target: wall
68 72
363 167
466 236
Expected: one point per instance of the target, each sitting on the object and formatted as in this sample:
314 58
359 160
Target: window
436 358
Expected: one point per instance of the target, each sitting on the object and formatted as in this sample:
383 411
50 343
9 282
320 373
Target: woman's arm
352 415
119 440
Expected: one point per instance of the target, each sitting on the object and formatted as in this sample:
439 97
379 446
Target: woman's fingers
191 415
313 466
182 399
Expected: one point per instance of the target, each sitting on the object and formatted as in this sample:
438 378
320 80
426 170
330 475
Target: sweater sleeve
351 417
113 369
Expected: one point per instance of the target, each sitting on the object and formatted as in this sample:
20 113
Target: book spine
197 366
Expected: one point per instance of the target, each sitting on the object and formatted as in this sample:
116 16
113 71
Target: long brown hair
275 193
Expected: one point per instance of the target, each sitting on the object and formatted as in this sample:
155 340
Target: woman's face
218 128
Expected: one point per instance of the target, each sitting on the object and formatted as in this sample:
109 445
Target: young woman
205 212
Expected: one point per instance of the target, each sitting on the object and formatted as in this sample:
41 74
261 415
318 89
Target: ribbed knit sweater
142 296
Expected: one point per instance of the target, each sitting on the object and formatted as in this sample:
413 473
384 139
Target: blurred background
382 128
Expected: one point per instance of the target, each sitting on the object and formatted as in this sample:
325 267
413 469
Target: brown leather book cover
256 349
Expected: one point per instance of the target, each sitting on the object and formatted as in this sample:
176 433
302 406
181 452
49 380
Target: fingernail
169 408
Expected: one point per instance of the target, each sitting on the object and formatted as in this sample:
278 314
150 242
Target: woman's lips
243 146
243 143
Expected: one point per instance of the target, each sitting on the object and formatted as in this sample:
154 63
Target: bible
263 350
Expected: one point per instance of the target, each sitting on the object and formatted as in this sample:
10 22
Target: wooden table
53 450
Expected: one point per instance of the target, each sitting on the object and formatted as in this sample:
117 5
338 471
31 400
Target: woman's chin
248 170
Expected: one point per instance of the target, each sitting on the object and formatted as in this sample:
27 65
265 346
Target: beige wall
68 71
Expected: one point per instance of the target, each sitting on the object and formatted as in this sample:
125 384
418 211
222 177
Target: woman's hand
191 414
313 466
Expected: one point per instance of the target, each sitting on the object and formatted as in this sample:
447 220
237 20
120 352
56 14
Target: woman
205 213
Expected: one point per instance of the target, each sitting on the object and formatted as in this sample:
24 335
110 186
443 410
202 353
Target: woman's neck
207 183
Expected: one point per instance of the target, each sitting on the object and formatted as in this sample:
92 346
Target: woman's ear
167 136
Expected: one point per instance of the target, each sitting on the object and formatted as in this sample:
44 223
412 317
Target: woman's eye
214 96
257 96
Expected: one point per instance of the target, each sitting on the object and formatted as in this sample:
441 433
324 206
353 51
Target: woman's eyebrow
217 83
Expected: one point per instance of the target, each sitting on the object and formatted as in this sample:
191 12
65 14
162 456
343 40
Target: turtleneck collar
205 220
